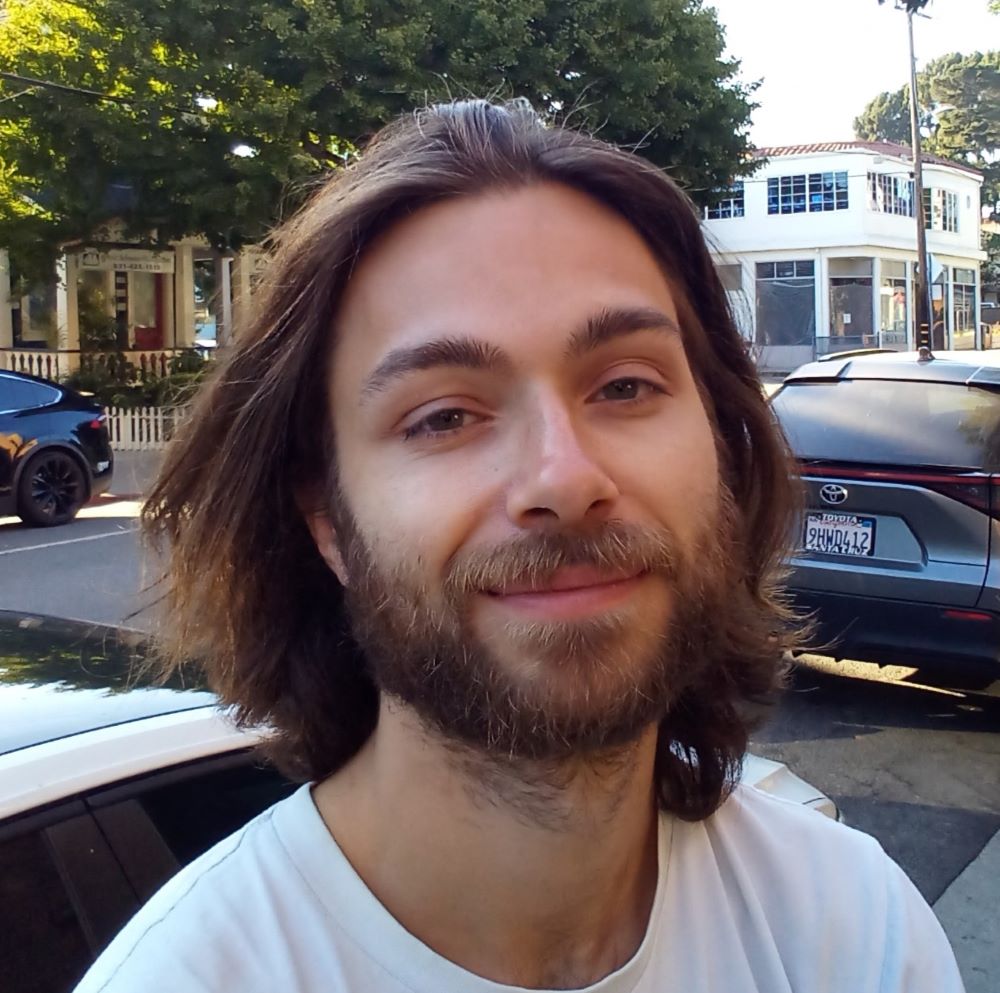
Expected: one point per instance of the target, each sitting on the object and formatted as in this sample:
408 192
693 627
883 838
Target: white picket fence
138 429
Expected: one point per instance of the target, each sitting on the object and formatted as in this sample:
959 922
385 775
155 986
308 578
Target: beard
545 691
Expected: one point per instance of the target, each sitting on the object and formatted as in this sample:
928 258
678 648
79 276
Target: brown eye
628 388
439 422
622 389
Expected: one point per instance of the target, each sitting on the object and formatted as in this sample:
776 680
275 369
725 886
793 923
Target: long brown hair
248 595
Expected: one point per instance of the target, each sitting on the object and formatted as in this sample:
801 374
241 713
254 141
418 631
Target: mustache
616 547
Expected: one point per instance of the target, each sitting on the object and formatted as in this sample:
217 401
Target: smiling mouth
575 591
566 580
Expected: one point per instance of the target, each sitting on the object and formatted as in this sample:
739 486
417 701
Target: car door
63 897
163 821
23 416
72 876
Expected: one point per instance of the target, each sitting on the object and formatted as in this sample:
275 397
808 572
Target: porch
120 304
57 365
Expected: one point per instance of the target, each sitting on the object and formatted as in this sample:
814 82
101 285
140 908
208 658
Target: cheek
419 511
679 485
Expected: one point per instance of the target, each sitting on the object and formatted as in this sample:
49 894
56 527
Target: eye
438 423
628 389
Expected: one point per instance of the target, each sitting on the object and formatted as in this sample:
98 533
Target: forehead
519 267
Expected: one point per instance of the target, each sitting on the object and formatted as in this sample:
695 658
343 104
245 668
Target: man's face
530 524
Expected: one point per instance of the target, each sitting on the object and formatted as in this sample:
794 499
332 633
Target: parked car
55 453
899 547
109 785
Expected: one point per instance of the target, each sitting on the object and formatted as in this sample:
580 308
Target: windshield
59 678
887 422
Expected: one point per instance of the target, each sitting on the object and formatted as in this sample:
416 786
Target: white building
817 250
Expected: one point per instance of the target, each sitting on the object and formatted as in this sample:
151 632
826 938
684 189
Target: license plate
839 534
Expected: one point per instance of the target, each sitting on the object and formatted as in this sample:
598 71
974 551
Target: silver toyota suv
899 546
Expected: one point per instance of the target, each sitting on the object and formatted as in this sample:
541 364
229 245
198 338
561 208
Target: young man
482 516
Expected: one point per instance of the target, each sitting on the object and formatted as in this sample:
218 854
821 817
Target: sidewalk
134 473
969 911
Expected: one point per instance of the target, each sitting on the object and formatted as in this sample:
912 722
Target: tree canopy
209 117
959 96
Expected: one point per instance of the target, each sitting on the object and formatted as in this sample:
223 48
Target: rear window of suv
22 394
886 422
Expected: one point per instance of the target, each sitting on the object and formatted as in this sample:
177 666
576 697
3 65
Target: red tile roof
890 148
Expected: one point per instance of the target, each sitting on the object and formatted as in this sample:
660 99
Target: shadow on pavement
822 704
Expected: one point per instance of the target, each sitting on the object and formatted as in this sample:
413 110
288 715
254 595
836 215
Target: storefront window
851 305
892 305
940 312
963 308
786 308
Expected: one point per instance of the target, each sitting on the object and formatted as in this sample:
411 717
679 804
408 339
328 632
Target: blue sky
821 61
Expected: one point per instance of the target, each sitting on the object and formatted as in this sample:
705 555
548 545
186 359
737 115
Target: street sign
126 260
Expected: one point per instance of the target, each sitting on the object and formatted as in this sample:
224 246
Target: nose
558 479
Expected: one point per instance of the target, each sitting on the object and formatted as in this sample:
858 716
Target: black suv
899 548
55 453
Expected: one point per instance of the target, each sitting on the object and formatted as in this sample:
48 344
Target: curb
108 498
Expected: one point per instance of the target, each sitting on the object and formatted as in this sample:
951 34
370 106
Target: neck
532 874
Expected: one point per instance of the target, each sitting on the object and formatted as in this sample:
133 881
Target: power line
48 84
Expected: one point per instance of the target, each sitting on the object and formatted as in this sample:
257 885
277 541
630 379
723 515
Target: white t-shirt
765 896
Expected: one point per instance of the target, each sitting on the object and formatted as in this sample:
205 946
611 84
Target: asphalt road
88 570
907 758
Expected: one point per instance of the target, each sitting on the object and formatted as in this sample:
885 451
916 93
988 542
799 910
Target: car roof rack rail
833 356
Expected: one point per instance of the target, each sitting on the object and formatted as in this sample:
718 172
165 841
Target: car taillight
975 616
975 489
99 421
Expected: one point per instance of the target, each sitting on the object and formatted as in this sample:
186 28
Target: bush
115 382
188 361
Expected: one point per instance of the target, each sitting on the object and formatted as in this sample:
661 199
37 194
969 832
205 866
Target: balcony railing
48 365
148 364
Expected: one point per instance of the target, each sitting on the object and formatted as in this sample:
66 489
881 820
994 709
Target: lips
567 579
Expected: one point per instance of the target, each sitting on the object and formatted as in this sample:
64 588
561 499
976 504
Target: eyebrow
459 352
616 322
470 353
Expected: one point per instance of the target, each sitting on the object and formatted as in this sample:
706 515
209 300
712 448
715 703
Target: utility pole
922 303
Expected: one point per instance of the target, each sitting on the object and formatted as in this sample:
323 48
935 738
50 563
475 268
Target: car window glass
17 394
36 913
892 423
194 813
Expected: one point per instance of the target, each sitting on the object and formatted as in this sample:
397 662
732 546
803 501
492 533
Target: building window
731 204
963 308
786 270
893 317
851 306
890 194
731 277
940 210
786 303
816 192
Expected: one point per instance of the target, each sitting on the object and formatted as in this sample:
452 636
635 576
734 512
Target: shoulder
197 931
790 853
837 912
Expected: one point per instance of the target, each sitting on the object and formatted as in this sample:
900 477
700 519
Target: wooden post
6 312
67 314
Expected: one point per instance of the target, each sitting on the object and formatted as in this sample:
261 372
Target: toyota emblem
833 494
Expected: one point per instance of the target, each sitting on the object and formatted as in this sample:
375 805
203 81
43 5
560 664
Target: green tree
960 102
212 117
886 118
